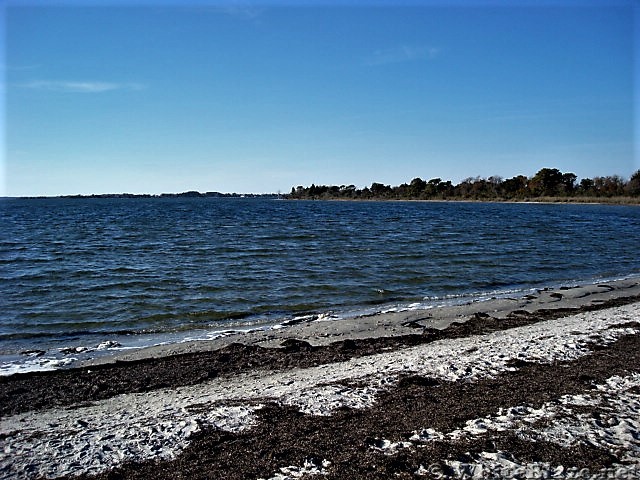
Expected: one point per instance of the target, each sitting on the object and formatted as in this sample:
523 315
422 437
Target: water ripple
138 265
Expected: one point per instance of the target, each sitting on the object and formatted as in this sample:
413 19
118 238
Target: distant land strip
190 194
548 185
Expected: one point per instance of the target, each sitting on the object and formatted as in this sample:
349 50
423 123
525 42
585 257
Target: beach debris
33 353
295 345
108 344
311 466
73 350
413 323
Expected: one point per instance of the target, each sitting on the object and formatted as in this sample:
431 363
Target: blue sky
262 96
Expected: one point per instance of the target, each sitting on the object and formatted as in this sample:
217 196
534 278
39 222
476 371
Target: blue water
78 271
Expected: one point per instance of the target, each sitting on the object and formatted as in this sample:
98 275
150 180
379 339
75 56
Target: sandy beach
541 386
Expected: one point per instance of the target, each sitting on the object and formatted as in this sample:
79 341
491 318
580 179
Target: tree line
547 183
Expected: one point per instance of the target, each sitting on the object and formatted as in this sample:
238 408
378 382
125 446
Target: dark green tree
569 182
380 190
416 187
586 186
547 182
515 187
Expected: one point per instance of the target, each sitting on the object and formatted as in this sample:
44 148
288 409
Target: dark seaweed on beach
349 437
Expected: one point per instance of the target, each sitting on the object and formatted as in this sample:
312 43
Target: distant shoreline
618 200
548 184
192 194
629 201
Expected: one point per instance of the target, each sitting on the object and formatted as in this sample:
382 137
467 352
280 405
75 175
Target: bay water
92 274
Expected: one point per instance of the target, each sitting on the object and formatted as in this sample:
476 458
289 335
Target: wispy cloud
404 53
245 12
79 86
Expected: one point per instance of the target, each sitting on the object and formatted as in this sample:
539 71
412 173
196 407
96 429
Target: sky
257 97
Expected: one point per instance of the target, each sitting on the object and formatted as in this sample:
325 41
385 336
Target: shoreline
323 329
320 327
613 201
416 394
619 201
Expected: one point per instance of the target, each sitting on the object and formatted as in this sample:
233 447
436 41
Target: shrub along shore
548 185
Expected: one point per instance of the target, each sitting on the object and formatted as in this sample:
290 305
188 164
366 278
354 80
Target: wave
63 335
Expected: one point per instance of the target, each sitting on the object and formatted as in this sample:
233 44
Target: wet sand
548 383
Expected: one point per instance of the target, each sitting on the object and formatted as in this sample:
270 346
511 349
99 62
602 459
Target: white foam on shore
159 424
38 364
41 361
